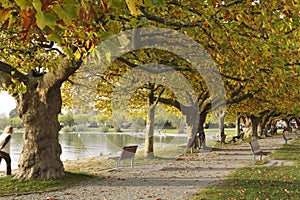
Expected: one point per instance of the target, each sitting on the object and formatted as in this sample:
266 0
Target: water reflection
82 145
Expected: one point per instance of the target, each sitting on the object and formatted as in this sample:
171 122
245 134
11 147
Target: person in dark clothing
239 136
202 139
5 147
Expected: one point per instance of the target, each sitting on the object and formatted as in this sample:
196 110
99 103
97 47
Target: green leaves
116 4
24 5
67 11
54 37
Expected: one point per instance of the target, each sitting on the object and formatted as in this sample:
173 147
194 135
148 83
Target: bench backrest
255 148
128 152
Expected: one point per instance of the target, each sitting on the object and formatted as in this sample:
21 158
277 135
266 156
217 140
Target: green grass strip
11 186
260 182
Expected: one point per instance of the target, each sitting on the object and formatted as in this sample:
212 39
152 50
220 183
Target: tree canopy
254 45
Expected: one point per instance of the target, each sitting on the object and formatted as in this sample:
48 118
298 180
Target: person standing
5 147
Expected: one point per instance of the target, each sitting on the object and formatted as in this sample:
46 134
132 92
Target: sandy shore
173 179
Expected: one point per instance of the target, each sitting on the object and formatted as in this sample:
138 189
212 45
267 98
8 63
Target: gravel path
171 180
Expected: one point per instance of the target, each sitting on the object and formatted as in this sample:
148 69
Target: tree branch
12 72
233 3
67 68
169 23
159 95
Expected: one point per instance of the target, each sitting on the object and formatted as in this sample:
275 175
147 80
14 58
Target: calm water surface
83 145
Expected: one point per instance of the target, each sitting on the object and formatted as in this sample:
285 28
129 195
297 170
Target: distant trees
12 119
13 113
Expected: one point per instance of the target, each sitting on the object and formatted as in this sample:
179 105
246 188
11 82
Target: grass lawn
259 182
10 186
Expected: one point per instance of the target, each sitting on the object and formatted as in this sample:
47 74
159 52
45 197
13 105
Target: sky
7 103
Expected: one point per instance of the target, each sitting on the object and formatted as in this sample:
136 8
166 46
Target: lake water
90 144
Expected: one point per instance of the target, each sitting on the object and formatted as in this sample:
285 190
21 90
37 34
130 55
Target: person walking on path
5 147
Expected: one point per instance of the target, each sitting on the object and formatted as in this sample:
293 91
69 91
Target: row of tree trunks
258 125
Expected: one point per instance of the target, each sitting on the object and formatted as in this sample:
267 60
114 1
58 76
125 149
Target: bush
104 129
68 129
80 128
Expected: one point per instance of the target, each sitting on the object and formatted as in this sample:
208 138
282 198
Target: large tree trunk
237 123
249 128
192 121
259 129
40 157
222 116
202 137
252 124
149 139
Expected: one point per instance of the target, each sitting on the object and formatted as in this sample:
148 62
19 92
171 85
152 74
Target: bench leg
132 163
118 164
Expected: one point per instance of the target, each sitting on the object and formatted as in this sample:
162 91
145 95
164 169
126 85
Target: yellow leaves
77 54
241 192
19 87
133 6
4 15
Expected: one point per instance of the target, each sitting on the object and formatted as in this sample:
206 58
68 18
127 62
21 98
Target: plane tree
132 85
43 43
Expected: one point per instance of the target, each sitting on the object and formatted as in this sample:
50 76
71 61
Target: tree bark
249 128
192 121
40 156
149 139
221 124
202 118
259 129
252 125
237 123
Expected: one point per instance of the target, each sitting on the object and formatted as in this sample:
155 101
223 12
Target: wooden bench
285 138
256 151
127 153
